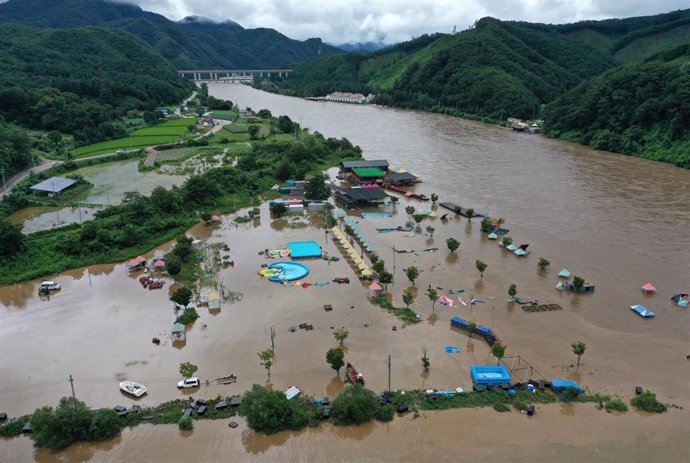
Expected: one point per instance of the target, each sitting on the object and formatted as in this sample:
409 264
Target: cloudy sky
390 21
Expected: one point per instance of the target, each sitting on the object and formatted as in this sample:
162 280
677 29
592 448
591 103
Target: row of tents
358 233
362 267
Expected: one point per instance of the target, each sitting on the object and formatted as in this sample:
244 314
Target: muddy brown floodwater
617 221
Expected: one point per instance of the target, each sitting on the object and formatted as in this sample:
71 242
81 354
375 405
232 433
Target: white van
49 286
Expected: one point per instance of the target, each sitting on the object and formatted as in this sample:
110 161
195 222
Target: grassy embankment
168 132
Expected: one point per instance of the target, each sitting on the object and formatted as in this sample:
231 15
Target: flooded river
617 221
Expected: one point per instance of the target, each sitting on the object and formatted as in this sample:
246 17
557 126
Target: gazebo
137 263
648 288
374 290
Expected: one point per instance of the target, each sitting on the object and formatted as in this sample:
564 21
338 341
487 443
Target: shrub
11 429
186 423
354 405
188 316
385 413
616 404
501 407
270 411
520 403
648 403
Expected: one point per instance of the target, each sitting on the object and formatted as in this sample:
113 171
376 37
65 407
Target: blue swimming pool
289 271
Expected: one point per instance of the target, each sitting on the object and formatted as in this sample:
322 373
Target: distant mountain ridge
190 43
608 84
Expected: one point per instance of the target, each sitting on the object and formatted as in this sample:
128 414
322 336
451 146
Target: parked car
189 382
49 286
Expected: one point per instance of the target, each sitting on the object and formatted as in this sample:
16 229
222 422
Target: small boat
132 388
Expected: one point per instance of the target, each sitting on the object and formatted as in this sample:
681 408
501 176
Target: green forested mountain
188 44
79 80
497 68
632 40
633 109
15 150
618 84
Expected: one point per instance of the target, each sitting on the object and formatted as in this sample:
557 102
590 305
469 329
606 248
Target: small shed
374 290
178 332
159 265
54 185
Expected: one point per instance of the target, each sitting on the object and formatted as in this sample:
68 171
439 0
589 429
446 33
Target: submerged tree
543 263
433 295
481 266
266 358
512 290
498 350
430 230
336 358
385 278
452 244
187 369
182 296
341 335
579 348
426 363
407 299
434 198
412 273
470 213
472 327
410 211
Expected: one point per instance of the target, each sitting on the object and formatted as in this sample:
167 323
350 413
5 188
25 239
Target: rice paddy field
167 132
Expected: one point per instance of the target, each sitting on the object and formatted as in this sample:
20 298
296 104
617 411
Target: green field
225 115
182 154
168 132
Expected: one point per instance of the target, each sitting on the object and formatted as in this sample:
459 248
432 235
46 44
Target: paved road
16 178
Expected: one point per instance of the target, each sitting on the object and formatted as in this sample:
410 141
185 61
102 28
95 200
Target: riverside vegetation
268 411
140 223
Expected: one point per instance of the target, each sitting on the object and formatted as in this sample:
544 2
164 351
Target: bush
501 407
647 402
354 405
188 316
520 403
105 425
270 411
616 404
385 413
11 429
186 423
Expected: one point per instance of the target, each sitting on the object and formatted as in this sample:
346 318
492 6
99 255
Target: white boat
132 388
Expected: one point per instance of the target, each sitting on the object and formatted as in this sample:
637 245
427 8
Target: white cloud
340 21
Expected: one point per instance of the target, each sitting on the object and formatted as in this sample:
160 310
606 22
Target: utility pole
389 374
74 398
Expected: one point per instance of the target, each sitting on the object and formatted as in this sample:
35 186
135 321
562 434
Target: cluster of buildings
369 178
347 97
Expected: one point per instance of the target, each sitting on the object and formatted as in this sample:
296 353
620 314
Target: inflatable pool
288 271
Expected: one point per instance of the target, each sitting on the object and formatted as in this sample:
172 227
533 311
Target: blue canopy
560 385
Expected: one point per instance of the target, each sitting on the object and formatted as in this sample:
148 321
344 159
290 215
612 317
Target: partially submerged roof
364 194
54 184
381 163
401 177
648 287
178 328
369 172
136 261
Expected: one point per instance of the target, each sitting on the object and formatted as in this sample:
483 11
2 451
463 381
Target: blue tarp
560 385
452 350
642 311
